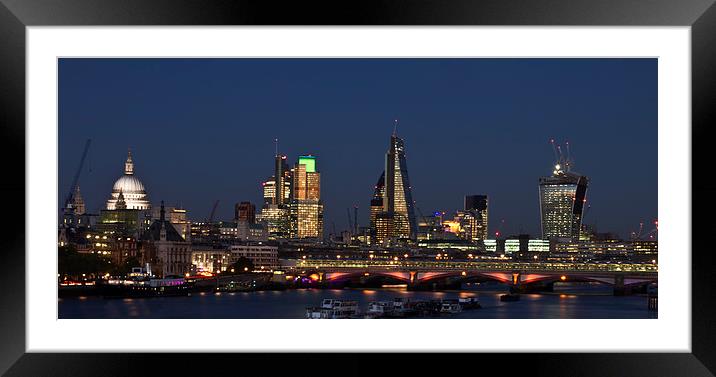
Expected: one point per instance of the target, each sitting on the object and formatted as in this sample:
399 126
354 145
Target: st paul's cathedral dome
130 187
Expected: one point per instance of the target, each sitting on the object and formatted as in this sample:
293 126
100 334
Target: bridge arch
344 276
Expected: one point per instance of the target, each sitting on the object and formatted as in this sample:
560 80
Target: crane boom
554 149
561 157
213 211
425 220
77 173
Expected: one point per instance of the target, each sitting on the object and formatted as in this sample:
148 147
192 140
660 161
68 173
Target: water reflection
293 303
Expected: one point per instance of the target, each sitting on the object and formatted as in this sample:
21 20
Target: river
566 302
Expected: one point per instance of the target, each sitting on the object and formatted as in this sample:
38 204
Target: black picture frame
16 15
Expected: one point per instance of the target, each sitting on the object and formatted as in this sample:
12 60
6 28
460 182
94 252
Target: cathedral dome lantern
130 188
129 165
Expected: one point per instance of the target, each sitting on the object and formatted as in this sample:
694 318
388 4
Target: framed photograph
208 184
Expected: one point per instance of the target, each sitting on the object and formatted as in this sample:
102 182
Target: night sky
202 130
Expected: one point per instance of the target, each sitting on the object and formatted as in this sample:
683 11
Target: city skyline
511 183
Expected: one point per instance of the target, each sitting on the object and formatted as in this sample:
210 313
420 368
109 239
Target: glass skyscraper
276 192
397 218
282 176
475 218
376 208
562 198
306 208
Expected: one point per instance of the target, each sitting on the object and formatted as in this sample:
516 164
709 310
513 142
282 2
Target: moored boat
380 309
166 287
333 309
450 307
509 297
469 303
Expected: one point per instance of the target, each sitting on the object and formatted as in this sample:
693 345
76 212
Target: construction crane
557 160
77 173
423 216
500 229
654 232
640 235
637 235
213 212
562 162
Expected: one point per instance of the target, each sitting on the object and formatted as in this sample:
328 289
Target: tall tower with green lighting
306 208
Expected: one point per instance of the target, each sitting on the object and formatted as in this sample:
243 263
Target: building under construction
562 198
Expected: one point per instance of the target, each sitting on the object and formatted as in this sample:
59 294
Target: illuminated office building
306 209
275 219
562 196
177 217
277 194
282 180
475 217
383 227
269 190
376 207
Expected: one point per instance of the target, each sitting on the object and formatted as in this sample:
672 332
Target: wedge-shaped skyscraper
396 220
562 196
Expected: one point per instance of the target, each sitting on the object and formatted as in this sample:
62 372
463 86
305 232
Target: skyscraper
398 215
282 176
562 196
269 190
277 194
306 209
476 217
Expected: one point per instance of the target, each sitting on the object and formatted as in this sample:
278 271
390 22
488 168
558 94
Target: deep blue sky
203 129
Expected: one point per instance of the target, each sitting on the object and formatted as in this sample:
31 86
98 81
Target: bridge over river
520 276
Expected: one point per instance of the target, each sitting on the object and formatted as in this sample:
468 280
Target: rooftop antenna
275 141
395 127
569 157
